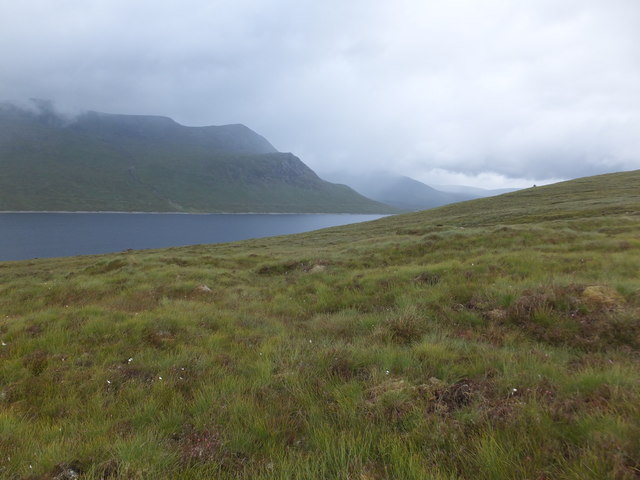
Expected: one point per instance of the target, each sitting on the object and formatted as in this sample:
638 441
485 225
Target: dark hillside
104 162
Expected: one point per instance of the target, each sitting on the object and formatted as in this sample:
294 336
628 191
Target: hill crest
110 162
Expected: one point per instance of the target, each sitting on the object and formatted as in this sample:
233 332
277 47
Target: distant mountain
476 192
108 162
398 191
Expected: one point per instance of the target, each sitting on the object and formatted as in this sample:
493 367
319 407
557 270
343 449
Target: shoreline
187 213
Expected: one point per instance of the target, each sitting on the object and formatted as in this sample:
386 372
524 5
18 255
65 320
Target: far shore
193 213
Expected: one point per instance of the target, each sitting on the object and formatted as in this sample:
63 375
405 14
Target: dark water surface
30 235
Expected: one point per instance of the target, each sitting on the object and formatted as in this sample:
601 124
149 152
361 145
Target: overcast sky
481 92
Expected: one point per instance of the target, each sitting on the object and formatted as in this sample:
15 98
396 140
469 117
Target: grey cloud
499 90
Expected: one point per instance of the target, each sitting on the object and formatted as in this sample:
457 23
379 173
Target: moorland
491 339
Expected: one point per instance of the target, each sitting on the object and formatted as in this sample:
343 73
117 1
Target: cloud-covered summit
493 93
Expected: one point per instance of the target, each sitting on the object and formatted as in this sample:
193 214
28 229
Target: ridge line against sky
493 93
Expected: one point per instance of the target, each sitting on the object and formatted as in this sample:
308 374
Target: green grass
497 338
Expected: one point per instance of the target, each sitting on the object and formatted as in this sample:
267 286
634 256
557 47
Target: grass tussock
492 339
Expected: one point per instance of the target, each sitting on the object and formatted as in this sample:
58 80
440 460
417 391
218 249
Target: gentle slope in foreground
493 339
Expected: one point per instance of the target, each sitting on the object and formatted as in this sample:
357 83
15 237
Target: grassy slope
137 163
493 339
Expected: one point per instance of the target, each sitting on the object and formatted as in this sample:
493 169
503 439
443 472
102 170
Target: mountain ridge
399 191
111 162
